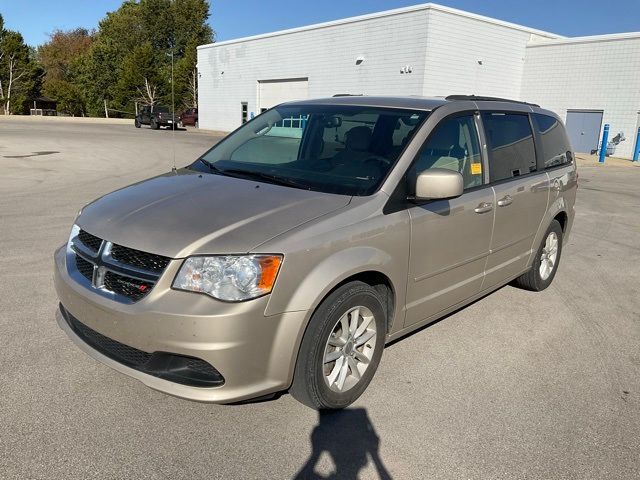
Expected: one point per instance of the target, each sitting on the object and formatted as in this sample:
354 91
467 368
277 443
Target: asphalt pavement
516 385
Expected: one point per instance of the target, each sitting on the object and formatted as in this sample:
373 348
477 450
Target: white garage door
273 92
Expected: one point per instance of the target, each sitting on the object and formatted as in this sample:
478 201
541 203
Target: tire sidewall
323 322
540 283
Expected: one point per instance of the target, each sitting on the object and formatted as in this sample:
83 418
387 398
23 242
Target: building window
245 112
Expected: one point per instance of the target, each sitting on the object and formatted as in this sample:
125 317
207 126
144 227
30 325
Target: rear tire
545 262
137 123
335 364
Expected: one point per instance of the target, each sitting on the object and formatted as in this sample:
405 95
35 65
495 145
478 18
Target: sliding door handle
505 201
484 207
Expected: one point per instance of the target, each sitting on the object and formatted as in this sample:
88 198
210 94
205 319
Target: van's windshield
329 148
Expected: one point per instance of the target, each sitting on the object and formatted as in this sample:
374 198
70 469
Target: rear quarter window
556 150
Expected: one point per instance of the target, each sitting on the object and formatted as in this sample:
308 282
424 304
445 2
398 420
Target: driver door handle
484 207
505 201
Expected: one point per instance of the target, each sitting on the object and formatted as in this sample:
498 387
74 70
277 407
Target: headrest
358 138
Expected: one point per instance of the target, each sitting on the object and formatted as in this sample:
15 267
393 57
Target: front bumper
254 353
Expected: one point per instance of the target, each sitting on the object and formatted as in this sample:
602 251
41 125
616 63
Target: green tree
61 57
140 79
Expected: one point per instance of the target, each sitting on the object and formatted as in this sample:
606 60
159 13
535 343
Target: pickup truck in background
189 117
155 116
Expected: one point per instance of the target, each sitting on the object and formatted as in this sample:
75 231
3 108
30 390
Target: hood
186 212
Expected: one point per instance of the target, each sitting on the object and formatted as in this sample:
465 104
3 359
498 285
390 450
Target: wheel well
562 220
383 286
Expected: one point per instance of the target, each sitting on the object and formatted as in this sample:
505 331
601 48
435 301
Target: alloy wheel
349 349
549 255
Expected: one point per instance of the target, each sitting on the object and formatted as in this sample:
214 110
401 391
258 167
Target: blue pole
637 149
603 145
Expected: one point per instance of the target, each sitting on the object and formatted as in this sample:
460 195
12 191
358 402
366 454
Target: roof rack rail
348 95
480 98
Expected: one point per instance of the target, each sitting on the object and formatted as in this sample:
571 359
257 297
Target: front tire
545 263
341 348
154 125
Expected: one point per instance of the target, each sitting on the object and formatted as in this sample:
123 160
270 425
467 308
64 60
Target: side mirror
439 183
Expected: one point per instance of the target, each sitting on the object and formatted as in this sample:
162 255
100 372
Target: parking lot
517 385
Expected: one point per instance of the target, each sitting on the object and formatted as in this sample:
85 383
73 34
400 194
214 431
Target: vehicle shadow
350 439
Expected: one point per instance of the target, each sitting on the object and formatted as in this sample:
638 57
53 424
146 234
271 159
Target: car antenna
173 116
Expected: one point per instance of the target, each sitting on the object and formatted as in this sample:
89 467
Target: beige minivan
289 254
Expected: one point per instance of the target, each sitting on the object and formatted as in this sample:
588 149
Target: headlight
72 235
231 278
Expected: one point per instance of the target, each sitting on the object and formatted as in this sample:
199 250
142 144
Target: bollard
636 151
603 145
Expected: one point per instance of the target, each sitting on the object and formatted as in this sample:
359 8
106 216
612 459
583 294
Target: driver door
450 239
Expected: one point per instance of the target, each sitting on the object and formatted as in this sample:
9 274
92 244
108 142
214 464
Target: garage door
583 128
273 92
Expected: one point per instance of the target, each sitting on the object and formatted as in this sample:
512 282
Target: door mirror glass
439 183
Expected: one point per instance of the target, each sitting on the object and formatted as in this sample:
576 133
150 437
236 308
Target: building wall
589 73
441 46
325 55
470 55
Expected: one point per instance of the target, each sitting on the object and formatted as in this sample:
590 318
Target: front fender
328 273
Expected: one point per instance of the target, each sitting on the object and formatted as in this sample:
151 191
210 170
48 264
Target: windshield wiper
210 165
265 176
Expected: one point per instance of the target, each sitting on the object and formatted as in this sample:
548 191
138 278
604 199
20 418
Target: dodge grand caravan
286 256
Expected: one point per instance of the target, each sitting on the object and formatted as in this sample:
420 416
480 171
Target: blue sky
239 18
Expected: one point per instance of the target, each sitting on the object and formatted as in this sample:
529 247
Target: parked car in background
155 116
189 117
289 254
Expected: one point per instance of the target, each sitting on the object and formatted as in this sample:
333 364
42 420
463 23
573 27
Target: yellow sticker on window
476 168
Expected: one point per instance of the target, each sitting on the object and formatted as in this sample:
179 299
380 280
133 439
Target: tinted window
453 145
511 148
330 148
553 138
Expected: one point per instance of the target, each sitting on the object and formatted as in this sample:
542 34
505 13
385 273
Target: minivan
290 253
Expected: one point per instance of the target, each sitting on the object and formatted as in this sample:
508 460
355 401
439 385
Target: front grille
85 268
173 367
129 287
136 258
129 273
90 241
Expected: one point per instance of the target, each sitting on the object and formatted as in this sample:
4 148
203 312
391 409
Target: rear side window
512 151
553 139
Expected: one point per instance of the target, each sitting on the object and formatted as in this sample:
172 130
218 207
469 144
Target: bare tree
193 88
15 74
148 94
14 64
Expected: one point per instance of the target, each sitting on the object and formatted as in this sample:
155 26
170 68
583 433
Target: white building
428 50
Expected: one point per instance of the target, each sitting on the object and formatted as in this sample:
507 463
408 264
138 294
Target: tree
18 70
61 58
140 79
126 60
